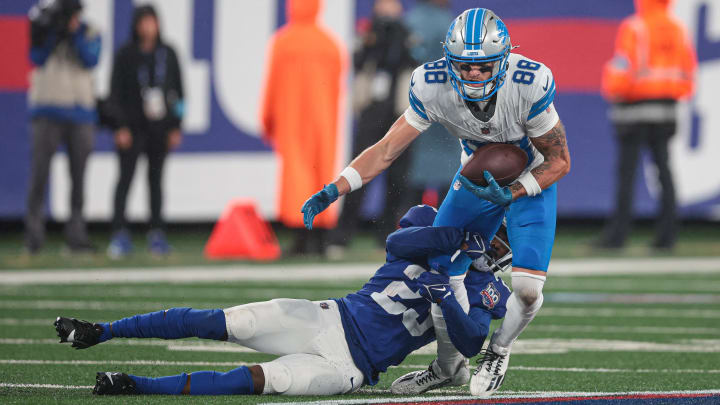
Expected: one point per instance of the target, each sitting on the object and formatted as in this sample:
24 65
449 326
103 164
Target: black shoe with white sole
82 334
107 383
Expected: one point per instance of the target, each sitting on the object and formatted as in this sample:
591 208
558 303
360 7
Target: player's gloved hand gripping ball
501 196
435 287
318 203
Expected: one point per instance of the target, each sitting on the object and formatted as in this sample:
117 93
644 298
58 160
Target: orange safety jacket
654 58
301 110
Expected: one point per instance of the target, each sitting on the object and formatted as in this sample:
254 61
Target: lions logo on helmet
477 36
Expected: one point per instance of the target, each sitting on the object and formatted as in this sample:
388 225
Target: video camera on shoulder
51 16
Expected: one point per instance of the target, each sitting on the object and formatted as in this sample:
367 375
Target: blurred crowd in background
301 119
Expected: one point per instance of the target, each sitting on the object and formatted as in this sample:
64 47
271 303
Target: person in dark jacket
64 50
382 64
146 100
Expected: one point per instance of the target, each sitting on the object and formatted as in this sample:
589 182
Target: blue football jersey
388 319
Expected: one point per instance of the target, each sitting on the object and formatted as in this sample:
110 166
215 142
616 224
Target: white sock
449 359
522 306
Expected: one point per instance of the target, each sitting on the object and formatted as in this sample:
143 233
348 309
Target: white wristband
353 177
530 183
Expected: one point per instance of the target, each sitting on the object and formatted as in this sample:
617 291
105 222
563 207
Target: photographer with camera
64 50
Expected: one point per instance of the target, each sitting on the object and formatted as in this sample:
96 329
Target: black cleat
107 383
82 334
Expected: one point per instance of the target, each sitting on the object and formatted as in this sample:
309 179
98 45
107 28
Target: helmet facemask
491 43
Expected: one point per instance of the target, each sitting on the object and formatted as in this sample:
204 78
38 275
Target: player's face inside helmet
476 72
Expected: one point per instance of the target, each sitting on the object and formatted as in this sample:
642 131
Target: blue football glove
501 196
318 203
475 245
454 265
434 287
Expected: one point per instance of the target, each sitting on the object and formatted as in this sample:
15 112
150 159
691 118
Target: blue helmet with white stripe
477 36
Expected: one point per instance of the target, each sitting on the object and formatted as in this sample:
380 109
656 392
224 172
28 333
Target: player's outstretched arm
553 146
370 163
421 241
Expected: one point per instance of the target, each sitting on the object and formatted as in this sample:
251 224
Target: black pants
47 135
631 139
373 123
152 142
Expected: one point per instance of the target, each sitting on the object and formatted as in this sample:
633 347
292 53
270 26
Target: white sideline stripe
126 363
333 271
53 386
616 370
402 366
654 330
170 345
628 313
549 310
501 395
522 346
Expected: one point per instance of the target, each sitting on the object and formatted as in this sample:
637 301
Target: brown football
503 160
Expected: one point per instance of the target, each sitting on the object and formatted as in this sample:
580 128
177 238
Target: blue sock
171 385
234 382
174 323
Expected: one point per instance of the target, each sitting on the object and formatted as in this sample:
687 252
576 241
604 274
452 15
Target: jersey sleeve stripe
417 105
543 103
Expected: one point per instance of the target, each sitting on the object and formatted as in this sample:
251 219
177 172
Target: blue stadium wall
221 45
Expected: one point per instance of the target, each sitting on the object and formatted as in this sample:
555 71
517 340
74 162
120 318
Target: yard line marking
638 298
616 370
126 363
401 366
612 329
500 395
545 311
658 330
322 271
629 313
54 386
522 346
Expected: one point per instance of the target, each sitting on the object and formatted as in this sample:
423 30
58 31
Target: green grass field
612 333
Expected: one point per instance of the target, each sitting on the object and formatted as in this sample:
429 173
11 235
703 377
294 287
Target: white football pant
310 338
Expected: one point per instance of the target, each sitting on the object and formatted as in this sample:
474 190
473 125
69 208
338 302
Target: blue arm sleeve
39 54
88 48
420 241
467 331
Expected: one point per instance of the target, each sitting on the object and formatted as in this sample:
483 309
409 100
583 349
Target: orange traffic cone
240 233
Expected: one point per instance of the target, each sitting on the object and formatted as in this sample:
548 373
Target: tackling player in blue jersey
482 93
332 346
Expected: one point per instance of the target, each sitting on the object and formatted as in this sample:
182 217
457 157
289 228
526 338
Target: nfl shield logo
457 185
485 130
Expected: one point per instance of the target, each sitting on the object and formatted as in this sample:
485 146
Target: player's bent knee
240 322
278 377
528 289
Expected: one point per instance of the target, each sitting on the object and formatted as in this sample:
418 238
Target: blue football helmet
477 36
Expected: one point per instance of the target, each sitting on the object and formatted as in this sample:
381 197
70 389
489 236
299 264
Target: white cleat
418 382
490 372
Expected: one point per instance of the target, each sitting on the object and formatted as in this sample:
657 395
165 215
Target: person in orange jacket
653 67
300 114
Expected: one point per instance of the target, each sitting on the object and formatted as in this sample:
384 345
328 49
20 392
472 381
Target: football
504 161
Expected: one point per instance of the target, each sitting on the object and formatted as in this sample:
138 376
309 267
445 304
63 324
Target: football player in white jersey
483 93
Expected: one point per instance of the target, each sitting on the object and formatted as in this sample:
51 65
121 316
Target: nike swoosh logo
439 289
547 81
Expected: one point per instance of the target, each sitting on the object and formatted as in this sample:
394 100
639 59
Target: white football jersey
524 107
